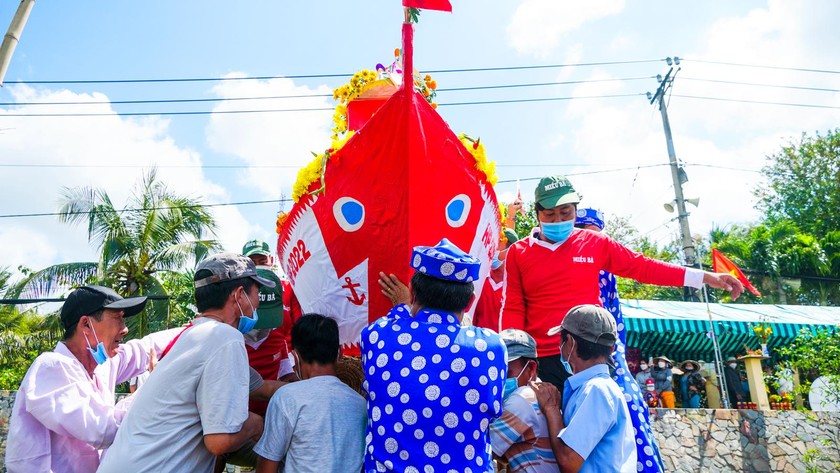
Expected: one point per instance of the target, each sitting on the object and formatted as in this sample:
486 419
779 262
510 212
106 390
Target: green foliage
179 286
787 264
816 354
23 336
167 234
526 221
620 229
803 184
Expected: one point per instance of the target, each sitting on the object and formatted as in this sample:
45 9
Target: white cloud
538 25
713 135
87 147
271 139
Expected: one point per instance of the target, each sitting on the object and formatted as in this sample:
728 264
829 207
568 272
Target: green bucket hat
271 301
555 190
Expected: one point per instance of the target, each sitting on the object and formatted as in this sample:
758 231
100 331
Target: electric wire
299 110
762 66
279 97
326 76
273 201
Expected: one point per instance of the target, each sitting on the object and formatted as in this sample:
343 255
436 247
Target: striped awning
682 330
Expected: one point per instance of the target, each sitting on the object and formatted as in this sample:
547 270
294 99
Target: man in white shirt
317 424
195 407
64 413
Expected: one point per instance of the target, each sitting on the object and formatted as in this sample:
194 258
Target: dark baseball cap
227 267
87 300
591 323
519 344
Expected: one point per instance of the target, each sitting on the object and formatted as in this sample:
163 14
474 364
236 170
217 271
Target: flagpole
718 356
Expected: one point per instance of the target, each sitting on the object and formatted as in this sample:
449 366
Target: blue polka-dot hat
445 261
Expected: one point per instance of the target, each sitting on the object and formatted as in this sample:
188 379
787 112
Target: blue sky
156 39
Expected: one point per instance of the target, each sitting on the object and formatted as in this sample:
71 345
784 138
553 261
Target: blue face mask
246 324
496 263
99 355
512 384
564 361
558 232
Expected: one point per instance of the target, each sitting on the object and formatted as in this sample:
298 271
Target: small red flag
722 264
442 5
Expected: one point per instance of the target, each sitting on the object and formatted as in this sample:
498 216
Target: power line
298 110
757 84
603 171
762 102
174 207
728 168
278 97
244 166
326 76
763 66
274 201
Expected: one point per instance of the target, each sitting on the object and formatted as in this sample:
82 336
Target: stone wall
743 440
694 440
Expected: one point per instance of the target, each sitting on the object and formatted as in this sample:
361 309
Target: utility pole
10 41
677 172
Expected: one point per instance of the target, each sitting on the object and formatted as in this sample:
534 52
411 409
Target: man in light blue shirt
593 432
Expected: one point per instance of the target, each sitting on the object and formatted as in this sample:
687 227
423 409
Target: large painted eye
349 213
457 210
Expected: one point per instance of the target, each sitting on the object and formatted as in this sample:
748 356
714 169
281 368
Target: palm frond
53 279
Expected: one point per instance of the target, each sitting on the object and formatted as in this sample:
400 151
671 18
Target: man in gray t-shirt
195 407
324 416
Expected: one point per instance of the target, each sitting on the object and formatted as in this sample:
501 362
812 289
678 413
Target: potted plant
762 331
775 401
787 402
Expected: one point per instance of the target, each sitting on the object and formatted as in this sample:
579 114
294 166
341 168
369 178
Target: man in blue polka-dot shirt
433 386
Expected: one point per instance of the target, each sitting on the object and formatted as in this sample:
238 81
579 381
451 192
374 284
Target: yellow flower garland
359 83
315 169
476 148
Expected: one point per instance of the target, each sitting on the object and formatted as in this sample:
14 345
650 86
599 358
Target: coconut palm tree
156 231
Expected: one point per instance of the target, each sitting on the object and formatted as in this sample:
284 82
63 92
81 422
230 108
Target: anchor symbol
352 286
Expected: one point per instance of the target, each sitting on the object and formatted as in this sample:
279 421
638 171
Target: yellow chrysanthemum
476 148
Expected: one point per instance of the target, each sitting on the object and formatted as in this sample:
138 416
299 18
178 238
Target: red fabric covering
291 312
542 283
489 306
404 167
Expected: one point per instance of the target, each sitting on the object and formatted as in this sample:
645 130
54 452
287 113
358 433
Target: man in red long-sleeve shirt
557 269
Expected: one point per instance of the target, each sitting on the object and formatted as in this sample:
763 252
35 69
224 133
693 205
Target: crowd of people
537 382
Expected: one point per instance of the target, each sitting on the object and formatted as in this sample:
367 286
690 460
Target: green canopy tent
680 330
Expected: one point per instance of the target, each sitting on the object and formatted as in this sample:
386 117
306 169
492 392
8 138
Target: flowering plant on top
762 330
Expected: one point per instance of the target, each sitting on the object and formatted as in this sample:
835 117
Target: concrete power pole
10 41
677 172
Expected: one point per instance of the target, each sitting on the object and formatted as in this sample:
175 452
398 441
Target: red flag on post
442 5
722 264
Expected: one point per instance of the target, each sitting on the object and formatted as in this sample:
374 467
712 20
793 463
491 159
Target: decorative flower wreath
360 82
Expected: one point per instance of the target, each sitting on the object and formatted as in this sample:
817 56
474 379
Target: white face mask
661 364
733 365
643 367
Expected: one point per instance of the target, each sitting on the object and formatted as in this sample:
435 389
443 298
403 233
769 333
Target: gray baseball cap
229 266
589 322
519 344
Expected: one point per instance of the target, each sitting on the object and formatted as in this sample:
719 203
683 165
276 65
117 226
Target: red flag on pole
722 264
442 5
